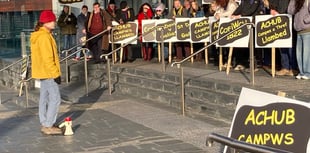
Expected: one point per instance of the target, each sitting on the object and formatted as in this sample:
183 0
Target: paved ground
112 124
118 124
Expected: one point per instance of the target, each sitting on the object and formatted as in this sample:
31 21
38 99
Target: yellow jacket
44 58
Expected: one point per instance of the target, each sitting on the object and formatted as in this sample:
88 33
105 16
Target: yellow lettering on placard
250 118
264 138
272 117
258 139
179 26
289 139
275 36
290 119
272 22
241 137
185 35
187 24
203 23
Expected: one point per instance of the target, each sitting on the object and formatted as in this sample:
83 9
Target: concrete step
208 97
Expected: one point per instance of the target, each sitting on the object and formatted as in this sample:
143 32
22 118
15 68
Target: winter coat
44 58
302 17
67 23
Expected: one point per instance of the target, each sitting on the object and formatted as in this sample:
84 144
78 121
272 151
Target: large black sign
279 125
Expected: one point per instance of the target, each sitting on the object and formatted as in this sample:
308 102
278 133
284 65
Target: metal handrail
20 60
124 45
66 50
83 42
202 49
241 145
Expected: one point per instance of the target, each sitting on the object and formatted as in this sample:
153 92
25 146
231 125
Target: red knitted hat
47 16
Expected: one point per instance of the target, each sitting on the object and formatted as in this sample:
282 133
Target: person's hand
109 27
273 12
58 80
217 16
235 16
121 21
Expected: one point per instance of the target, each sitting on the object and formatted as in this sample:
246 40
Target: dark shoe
131 60
51 130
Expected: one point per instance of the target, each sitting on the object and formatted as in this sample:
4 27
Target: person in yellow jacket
45 67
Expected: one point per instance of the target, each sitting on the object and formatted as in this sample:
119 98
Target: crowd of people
45 61
294 61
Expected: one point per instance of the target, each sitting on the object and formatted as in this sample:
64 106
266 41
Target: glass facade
18 16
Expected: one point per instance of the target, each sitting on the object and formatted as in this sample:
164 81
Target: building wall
25 5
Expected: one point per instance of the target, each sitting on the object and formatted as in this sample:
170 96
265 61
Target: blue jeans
303 53
49 102
68 41
78 54
288 58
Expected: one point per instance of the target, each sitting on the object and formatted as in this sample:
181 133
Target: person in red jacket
145 13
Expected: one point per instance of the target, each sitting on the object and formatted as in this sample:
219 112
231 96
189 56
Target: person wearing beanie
123 15
67 23
178 11
45 67
160 13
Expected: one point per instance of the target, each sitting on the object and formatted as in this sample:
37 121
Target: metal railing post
179 64
162 50
23 43
115 51
67 69
182 89
252 66
85 70
109 74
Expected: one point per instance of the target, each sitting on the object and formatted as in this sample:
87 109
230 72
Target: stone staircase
203 97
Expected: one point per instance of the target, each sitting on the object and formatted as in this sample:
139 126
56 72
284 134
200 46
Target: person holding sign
123 15
300 10
196 12
247 8
176 12
145 13
160 13
288 55
226 8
